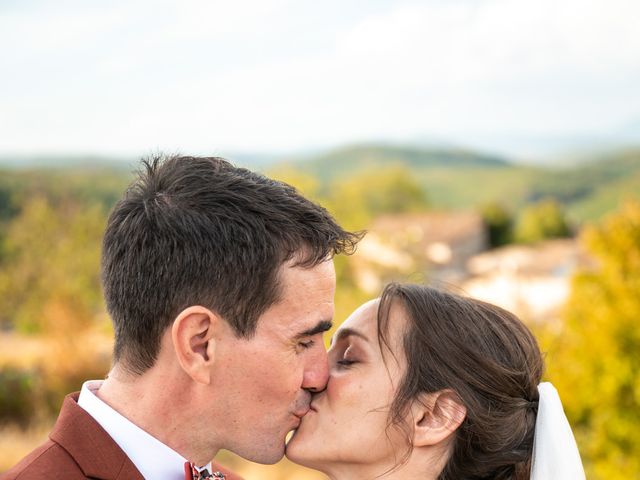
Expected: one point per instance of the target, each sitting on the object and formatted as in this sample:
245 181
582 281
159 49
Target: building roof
429 227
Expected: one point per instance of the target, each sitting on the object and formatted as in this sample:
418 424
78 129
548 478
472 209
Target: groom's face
265 380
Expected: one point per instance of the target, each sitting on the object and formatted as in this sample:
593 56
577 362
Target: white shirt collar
152 458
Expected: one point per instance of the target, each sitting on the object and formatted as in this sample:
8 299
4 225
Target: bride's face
347 423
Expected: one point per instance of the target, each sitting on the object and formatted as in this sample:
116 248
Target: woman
430 385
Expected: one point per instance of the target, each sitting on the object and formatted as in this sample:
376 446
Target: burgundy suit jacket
79 448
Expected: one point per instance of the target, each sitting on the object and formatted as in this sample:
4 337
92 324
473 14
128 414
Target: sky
280 76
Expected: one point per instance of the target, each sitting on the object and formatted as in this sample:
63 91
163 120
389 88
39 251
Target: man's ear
436 416
193 335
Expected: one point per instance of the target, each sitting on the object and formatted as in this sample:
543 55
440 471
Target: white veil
555 453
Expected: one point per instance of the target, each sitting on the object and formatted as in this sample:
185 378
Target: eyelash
306 345
345 363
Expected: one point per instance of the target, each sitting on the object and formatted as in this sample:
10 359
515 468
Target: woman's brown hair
488 357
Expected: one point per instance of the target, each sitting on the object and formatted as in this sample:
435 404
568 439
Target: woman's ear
436 416
194 344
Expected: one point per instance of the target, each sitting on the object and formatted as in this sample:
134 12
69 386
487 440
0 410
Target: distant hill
349 159
66 162
452 178
129 163
595 186
460 179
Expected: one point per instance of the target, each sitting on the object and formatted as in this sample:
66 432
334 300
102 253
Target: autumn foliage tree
595 362
49 280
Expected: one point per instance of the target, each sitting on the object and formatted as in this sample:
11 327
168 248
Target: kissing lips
302 413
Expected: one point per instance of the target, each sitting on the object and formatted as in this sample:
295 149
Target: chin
298 456
264 451
268 457
302 448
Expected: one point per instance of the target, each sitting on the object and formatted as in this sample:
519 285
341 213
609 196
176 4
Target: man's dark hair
200 231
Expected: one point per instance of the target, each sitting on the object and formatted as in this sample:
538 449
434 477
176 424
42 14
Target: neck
157 402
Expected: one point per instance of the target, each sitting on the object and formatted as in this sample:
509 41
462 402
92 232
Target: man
220 284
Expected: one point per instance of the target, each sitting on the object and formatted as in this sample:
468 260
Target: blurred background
488 145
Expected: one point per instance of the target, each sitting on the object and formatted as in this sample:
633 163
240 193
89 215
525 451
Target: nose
316 374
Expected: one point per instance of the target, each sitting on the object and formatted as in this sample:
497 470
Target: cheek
356 404
261 377
359 389
345 392
273 378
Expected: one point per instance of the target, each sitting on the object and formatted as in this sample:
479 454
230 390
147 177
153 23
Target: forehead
306 297
293 278
365 320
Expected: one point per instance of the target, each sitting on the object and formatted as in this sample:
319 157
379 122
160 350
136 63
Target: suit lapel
91 447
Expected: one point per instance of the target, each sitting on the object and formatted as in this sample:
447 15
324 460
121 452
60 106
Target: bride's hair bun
489 358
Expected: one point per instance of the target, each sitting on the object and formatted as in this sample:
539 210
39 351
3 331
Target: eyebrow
348 332
321 327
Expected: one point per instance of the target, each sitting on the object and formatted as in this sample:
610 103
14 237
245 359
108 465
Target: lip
313 407
301 414
296 425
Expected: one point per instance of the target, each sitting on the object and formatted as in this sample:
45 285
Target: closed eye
346 363
307 344
347 357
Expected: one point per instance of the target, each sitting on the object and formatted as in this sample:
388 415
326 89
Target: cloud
202 75
495 39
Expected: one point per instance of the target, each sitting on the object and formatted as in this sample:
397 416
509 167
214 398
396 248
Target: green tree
541 221
356 200
306 184
499 222
595 362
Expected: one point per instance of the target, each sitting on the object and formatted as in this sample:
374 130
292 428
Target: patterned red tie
192 473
